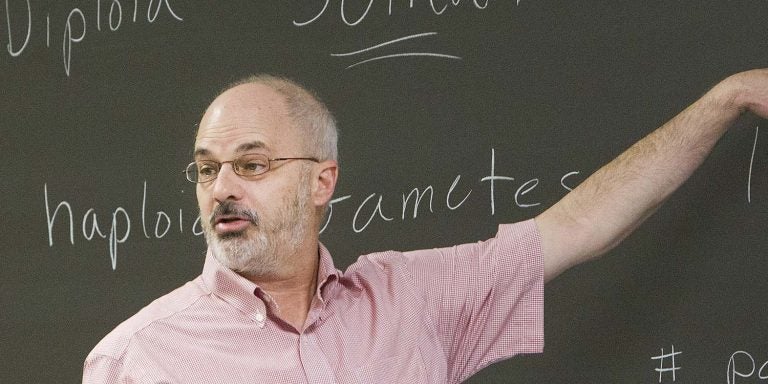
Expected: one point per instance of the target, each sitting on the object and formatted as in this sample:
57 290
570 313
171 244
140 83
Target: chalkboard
491 110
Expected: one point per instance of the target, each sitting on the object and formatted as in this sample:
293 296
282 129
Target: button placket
316 366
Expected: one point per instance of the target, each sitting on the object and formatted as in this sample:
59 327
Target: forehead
247 117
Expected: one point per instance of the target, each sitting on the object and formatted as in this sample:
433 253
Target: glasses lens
191 172
251 165
202 171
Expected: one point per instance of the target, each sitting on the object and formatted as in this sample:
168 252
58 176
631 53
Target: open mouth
231 219
226 224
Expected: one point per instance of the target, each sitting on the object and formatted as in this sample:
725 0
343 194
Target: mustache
229 209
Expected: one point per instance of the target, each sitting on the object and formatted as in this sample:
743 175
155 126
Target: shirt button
259 317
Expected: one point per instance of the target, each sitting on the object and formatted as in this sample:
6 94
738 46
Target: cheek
268 200
260 200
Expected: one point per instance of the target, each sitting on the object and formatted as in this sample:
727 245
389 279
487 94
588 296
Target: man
270 306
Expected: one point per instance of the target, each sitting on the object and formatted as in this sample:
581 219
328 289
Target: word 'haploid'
119 227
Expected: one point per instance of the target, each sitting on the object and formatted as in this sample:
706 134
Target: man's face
255 225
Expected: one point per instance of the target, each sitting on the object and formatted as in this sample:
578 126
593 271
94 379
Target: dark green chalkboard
99 104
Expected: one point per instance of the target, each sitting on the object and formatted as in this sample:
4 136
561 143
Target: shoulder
513 243
516 242
117 342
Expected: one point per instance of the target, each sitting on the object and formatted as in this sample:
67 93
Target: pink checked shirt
429 316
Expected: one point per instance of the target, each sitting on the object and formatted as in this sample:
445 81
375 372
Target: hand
611 203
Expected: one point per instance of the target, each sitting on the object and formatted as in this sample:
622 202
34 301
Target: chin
245 253
226 236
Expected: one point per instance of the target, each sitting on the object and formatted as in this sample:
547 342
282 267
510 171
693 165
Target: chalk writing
405 199
330 210
346 12
11 51
662 369
376 207
119 228
493 178
524 188
395 55
566 176
411 204
76 24
741 362
751 163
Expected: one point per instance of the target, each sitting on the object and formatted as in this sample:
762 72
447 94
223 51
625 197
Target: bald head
314 123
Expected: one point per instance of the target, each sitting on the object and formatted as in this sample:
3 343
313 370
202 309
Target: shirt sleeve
485 299
102 369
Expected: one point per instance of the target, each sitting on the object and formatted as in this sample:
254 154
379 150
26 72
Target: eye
252 165
206 169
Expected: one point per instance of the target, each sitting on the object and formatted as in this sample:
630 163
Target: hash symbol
661 370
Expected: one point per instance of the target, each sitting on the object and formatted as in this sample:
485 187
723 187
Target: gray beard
264 248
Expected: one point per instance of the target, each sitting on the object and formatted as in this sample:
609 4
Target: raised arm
611 203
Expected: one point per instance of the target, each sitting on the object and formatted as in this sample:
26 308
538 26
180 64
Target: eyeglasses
252 164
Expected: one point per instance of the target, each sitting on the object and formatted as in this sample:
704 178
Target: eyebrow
245 147
249 146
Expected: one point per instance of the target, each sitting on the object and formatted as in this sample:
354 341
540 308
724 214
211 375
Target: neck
293 288
293 299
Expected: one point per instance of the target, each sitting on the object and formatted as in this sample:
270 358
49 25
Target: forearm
611 203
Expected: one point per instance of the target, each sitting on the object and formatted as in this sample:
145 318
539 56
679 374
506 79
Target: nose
227 185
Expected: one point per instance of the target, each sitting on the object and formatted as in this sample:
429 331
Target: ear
324 182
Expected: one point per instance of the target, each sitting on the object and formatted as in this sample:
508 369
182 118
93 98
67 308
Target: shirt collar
327 274
240 292
231 287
